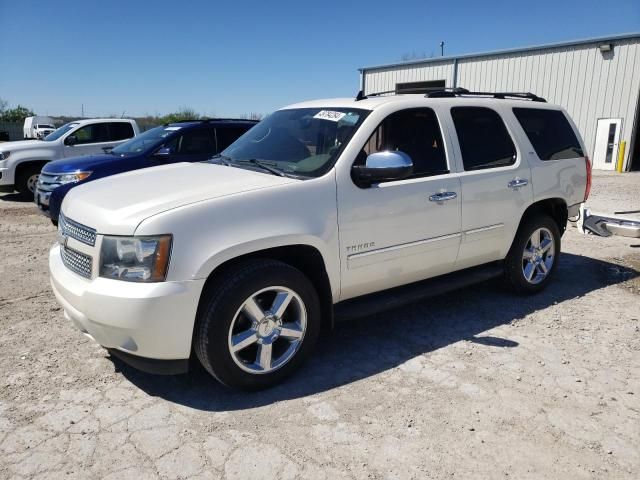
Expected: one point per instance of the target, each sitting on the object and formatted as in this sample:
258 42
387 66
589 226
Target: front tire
533 257
27 180
258 324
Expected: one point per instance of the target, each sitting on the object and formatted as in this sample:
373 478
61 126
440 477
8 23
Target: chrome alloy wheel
267 330
538 256
32 181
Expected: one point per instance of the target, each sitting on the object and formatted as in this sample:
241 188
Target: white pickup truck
317 212
21 161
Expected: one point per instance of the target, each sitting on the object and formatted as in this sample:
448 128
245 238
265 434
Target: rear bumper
607 225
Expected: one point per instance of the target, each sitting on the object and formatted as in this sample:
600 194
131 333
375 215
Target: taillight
587 190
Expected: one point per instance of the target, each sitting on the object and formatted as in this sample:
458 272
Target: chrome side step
605 226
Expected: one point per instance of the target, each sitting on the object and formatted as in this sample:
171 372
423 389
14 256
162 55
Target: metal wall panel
589 84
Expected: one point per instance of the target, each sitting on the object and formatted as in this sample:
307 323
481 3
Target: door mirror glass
382 167
71 140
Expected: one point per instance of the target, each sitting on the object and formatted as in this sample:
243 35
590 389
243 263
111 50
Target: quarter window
483 137
415 132
550 133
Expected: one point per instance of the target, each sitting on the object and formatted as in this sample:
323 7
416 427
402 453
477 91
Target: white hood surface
116 205
21 144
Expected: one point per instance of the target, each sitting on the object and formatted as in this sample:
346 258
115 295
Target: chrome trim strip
402 245
484 229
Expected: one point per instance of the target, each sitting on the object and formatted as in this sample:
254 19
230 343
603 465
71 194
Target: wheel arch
555 207
24 164
306 258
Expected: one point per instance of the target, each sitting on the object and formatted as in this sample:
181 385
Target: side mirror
162 152
71 140
382 167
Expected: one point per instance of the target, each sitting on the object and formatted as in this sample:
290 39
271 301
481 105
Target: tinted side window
415 132
228 135
95 133
483 137
120 131
550 133
197 142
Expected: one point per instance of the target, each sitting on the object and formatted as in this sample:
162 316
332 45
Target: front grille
48 183
80 232
76 262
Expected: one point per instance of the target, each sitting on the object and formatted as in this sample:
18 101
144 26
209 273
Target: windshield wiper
265 166
223 159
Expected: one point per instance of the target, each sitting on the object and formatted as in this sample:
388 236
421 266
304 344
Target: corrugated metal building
596 80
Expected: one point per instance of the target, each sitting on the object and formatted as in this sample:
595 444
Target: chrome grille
48 183
72 229
76 262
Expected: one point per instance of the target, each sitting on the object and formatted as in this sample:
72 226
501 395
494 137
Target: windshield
60 132
301 141
144 141
45 125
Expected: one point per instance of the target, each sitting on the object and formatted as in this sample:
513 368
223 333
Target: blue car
188 141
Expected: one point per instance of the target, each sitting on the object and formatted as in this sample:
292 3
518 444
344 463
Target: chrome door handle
443 196
517 183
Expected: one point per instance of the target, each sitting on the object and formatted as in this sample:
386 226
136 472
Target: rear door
495 181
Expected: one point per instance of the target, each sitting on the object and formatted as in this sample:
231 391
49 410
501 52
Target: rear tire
533 257
257 324
27 179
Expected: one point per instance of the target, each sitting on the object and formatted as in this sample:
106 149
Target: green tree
185 113
15 115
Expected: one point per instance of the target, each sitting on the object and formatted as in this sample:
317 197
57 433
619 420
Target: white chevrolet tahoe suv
238 262
21 161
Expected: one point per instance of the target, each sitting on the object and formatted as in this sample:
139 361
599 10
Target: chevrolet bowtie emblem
63 239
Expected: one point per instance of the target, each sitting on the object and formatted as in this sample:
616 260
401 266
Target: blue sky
234 57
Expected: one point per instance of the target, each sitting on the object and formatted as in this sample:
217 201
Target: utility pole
82 111
442 49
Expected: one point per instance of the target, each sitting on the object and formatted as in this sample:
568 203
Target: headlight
4 155
71 177
135 259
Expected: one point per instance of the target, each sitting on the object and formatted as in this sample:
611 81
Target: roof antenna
442 49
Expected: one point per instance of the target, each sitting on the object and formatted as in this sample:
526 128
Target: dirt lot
475 384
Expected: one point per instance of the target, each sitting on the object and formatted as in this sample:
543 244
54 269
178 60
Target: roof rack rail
457 92
409 91
202 120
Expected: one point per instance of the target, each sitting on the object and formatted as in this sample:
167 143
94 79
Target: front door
605 151
91 139
401 231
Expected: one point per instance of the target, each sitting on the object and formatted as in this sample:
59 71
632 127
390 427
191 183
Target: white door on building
605 151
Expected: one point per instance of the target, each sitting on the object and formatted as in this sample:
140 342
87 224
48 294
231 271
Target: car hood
116 205
85 163
21 145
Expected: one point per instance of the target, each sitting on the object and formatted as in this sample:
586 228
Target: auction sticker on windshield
329 115
173 128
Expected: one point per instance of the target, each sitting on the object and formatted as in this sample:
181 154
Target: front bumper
146 321
6 180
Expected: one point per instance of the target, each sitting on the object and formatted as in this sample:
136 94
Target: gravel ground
475 384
